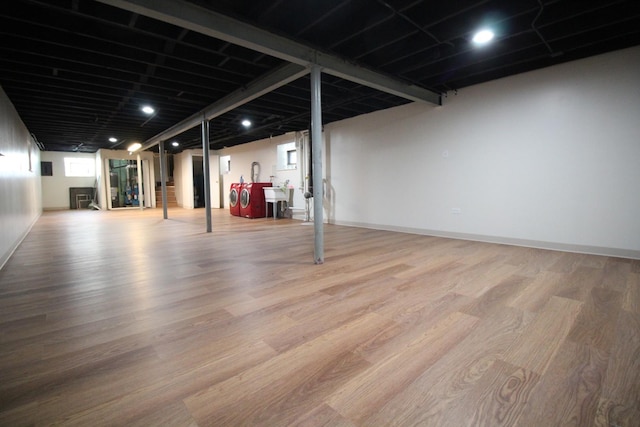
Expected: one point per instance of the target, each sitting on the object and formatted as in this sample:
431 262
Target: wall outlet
456 211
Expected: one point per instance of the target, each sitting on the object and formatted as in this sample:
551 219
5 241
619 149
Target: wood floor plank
374 387
431 265
532 261
536 347
31 368
475 282
250 395
567 263
176 380
322 416
436 393
501 294
615 274
330 313
569 392
78 338
620 397
124 318
410 324
596 323
83 387
577 285
498 398
276 408
294 288
175 414
537 292
631 300
211 337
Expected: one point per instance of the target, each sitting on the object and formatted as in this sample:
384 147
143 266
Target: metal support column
140 186
163 179
316 141
207 174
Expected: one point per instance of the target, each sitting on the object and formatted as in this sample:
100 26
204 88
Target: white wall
55 189
20 190
264 152
182 178
549 158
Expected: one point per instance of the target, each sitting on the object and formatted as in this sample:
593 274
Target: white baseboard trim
10 252
564 247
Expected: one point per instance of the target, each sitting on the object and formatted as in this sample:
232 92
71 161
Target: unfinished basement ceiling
78 71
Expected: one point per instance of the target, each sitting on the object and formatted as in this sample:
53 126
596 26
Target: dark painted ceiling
78 71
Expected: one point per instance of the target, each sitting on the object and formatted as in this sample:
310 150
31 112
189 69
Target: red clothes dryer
234 198
252 204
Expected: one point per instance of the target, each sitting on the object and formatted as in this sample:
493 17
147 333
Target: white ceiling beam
222 27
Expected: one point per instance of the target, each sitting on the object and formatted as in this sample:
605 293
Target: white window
292 158
225 165
287 156
79 166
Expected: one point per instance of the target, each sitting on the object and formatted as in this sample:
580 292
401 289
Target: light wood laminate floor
123 318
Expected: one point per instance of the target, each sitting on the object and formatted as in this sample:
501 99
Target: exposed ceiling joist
78 72
265 84
225 28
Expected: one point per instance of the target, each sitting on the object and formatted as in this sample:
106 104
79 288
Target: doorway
198 182
124 189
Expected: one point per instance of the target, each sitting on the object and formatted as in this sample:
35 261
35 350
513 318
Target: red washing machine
234 198
252 204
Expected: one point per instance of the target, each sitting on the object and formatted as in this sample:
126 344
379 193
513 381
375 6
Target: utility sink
275 194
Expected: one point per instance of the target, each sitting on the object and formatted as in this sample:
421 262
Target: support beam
163 179
316 141
261 86
207 174
222 27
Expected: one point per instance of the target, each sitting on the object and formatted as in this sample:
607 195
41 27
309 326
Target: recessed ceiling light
133 147
112 139
246 123
483 37
175 143
148 109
